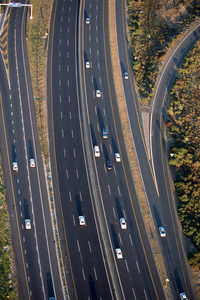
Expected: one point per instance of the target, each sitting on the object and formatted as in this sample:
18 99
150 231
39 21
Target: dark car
108 165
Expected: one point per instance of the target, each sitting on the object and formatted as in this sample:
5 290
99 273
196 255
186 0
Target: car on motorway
98 93
108 165
81 220
117 157
104 133
15 166
32 163
123 223
183 296
28 224
96 151
87 20
126 75
162 231
87 64
119 253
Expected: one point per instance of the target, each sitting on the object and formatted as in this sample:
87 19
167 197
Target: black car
108 165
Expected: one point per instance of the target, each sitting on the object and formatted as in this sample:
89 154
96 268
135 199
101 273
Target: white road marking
59 83
29 279
145 295
98 65
68 30
68 19
120 239
96 27
105 168
124 213
19 192
114 212
138 266
97 51
104 111
131 239
70 115
134 293
67 174
89 247
80 195
67 42
21 214
89 38
95 274
64 152
20 203
110 149
74 152
67 54
67 68
68 82
83 274
77 174
72 132
98 127
63 133
74 220
70 196
99 79
97 40
25 251
109 189
126 266
69 99
59 53
24 239
27 265
60 29
95 109
11 113
61 115
60 41
79 250
119 191
90 50
60 99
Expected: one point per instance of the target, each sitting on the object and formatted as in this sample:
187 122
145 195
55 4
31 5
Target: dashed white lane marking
126 266
138 266
67 174
70 196
109 189
72 132
119 191
64 152
95 274
83 274
131 240
74 152
80 195
134 293
114 212
77 174
120 239
74 220
61 115
89 247
63 133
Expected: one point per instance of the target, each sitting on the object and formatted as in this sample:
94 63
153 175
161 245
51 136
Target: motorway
36 257
154 169
87 271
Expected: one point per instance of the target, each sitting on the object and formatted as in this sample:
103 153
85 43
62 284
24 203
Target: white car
123 223
183 296
162 231
87 64
82 220
15 166
96 151
28 224
87 20
98 93
119 253
117 157
32 163
126 75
